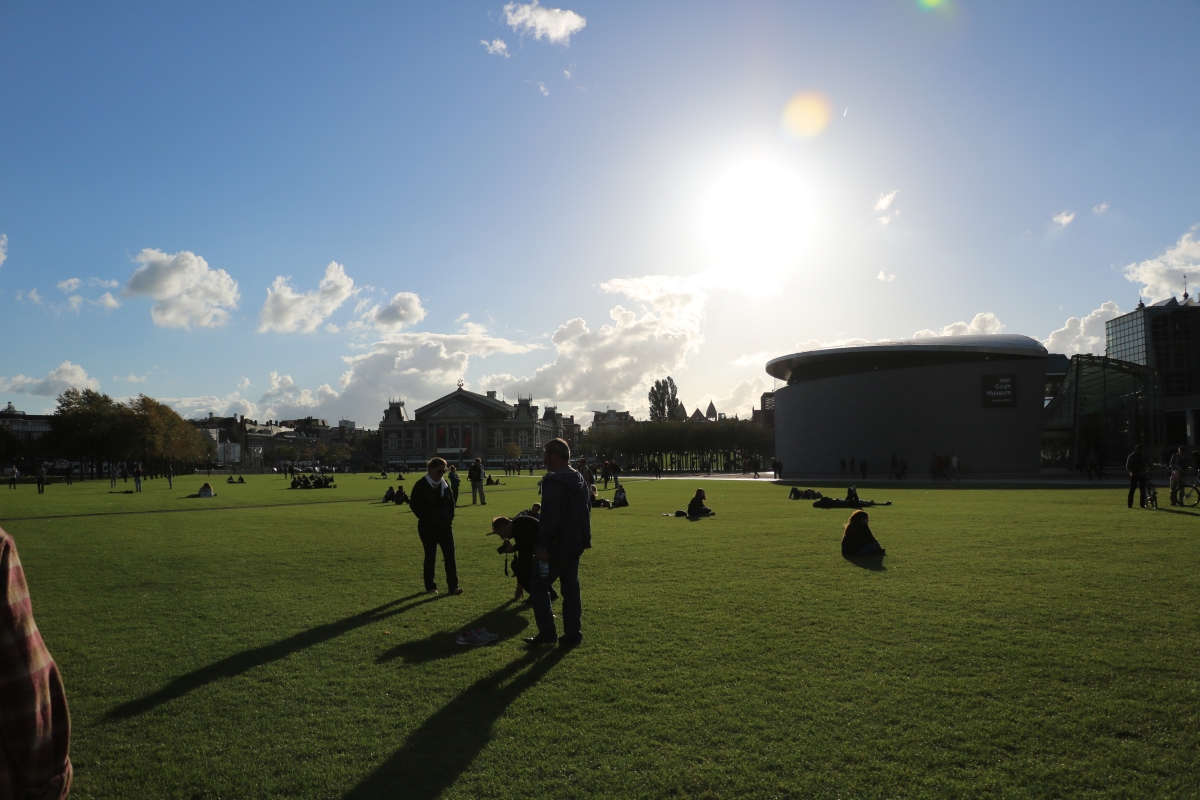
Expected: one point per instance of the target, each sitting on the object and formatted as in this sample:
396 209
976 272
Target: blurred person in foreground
35 727
565 531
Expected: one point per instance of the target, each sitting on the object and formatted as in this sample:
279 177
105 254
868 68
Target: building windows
393 442
499 439
523 438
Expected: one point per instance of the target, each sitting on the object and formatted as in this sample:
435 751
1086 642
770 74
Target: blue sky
610 199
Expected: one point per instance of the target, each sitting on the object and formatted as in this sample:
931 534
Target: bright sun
752 216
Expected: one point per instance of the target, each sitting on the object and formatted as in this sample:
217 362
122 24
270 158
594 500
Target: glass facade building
1104 408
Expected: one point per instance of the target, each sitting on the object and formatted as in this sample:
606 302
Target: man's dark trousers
565 569
431 540
1137 482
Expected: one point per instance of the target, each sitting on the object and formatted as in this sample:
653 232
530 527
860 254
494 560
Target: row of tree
90 426
684 446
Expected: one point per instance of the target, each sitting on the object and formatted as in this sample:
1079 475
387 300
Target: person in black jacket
432 501
564 532
475 476
1135 465
696 507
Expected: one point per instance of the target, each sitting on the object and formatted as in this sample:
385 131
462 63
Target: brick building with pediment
463 426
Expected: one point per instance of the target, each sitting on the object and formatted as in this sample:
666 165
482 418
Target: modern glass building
1165 337
1103 408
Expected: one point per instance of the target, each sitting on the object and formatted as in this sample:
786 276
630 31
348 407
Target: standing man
70 474
170 476
1178 467
137 478
41 478
12 477
475 476
35 726
564 533
1135 465
433 503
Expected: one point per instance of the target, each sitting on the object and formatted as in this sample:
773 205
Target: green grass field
275 643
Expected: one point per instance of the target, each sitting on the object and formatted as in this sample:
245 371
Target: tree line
90 427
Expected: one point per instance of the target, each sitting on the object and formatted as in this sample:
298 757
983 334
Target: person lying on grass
807 494
696 507
857 539
852 501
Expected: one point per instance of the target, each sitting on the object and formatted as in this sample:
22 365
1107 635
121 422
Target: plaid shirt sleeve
35 729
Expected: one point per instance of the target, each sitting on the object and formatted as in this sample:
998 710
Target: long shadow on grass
249 659
505 620
1178 511
445 745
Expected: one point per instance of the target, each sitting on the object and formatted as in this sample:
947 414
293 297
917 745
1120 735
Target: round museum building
977 399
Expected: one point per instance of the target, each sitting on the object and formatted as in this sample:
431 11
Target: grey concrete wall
912 413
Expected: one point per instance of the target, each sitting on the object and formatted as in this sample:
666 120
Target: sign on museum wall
999 391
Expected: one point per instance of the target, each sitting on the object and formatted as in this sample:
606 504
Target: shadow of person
444 746
873 562
505 620
1177 511
249 659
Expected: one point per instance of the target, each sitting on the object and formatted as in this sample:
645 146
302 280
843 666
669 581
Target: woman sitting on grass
696 508
619 499
207 490
598 501
857 539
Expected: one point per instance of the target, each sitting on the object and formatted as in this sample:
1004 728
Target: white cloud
103 282
244 383
752 359
284 393
404 309
1163 276
107 301
31 296
883 276
817 344
553 24
69 285
289 311
1100 209
230 404
542 88
3 248
131 378
63 377
462 318
886 219
615 362
73 303
496 47
1063 218
186 291
1083 335
885 200
984 322
567 74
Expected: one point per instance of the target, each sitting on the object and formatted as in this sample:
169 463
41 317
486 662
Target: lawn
275 643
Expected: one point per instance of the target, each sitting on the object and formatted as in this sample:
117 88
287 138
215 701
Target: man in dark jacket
564 533
432 502
1135 465
475 476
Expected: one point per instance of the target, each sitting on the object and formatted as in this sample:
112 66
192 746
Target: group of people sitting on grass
313 482
397 496
240 479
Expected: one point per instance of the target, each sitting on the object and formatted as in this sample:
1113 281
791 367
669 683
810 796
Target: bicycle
1190 492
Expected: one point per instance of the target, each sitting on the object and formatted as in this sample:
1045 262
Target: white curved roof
1001 344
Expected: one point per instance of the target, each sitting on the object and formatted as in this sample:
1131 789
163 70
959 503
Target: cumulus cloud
1083 335
288 311
883 276
556 25
31 296
619 360
69 285
885 200
1063 218
63 377
752 359
983 323
1162 277
131 378
103 283
3 248
403 309
227 406
284 393
186 290
106 301
1100 209
496 47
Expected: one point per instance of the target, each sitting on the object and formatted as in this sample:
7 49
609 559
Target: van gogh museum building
1001 404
